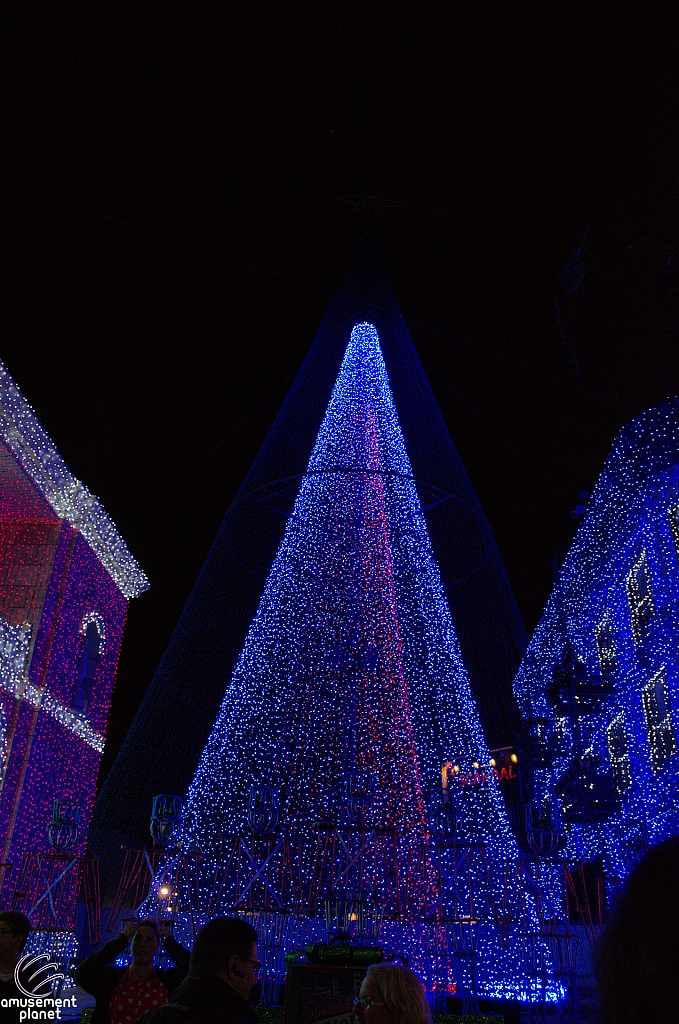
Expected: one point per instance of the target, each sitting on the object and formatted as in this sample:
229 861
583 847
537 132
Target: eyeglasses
365 1003
255 963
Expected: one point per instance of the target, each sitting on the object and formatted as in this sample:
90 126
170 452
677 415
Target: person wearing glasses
225 969
392 994
124 994
14 930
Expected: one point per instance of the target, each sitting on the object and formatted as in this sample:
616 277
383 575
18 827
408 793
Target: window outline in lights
642 608
619 758
606 651
88 662
662 742
673 514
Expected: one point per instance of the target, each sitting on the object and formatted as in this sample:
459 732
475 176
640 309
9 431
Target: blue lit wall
629 514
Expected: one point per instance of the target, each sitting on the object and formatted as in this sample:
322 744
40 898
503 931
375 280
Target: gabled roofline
27 439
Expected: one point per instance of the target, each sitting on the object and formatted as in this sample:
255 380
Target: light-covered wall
67 743
629 514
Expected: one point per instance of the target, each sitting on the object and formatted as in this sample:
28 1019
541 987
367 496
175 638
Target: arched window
92 633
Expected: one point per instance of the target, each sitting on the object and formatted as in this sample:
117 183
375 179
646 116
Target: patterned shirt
132 999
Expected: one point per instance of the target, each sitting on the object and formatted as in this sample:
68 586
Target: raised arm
94 974
181 957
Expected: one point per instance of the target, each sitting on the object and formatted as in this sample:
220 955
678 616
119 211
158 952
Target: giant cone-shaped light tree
351 662
352 665
327 615
352 616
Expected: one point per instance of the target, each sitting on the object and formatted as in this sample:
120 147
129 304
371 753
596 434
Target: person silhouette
638 956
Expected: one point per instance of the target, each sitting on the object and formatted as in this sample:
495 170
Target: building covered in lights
599 683
66 578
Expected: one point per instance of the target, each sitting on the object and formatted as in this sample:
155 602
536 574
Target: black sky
502 128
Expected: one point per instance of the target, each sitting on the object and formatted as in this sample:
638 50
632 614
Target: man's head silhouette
14 930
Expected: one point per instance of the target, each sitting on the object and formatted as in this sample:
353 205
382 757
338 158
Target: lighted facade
66 577
605 725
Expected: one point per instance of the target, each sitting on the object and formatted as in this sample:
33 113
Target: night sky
502 128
